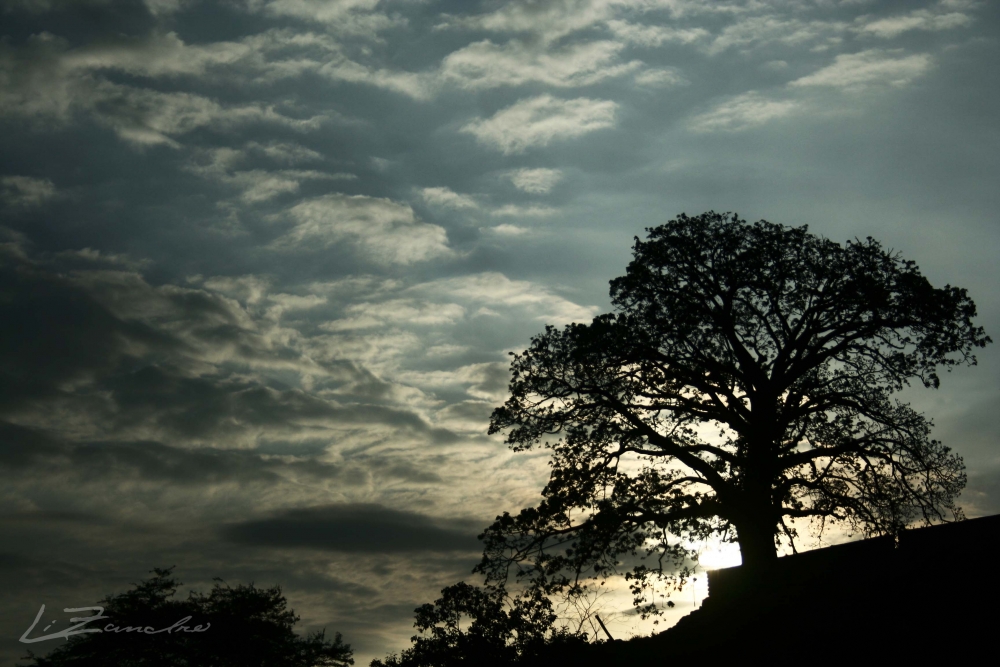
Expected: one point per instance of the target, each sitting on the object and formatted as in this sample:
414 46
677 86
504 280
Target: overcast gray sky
261 261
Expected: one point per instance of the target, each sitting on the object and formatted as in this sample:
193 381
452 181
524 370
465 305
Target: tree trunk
757 546
755 521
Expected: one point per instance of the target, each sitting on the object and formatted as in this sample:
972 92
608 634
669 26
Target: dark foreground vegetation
243 626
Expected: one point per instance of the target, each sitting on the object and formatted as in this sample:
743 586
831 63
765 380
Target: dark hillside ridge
934 594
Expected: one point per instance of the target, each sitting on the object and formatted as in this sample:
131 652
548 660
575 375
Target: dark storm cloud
356 528
404 470
34 453
28 452
200 408
154 361
37 355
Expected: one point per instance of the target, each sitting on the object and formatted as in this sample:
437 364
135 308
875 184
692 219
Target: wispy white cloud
488 65
497 291
854 71
247 289
268 56
278 54
754 24
540 120
761 24
390 325
346 17
548 19
507 230
26 191
418 85
447 198
742 112
920 19
257 185
754 31
655 35
156 55
515 210
551 20
660 78
849 72
284 152
535 181
47 83
484 381
146 117
394 312
383 230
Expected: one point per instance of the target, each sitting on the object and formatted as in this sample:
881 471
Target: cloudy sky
261 261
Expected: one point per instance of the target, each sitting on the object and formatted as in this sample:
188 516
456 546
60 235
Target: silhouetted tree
243 626
743 381
499 630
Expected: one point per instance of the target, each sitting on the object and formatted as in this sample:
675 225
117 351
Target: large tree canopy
744 382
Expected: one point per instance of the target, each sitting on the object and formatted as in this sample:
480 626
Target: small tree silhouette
499 629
